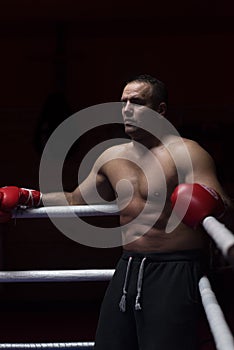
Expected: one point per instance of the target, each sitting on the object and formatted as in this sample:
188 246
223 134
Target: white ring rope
56 276
66 211
70 345
219 328
222 335
223 237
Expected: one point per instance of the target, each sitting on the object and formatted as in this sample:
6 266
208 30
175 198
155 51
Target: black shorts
152 303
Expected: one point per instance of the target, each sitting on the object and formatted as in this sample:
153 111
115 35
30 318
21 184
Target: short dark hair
159 93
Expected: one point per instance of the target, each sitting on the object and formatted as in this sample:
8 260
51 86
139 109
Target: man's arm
94 189
203 169
203 172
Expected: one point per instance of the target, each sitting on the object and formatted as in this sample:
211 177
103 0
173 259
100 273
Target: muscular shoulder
188 154
180 146
196 152
110 154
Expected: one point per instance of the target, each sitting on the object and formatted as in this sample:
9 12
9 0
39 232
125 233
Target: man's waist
182 255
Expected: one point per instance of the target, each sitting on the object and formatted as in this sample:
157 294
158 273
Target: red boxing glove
12 197
194 202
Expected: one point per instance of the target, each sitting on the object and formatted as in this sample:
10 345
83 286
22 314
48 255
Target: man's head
158 94
140 92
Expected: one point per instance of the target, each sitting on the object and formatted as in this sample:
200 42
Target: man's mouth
129 123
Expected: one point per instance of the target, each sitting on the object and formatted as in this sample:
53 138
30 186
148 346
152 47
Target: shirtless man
152 301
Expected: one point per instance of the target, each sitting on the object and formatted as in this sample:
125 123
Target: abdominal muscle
148 233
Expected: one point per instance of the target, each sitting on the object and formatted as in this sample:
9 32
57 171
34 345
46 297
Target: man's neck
149 142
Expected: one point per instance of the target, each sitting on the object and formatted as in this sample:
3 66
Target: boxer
152 301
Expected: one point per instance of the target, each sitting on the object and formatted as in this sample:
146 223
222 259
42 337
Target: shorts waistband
183 255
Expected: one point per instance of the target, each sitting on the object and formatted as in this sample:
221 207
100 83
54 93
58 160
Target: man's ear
162 108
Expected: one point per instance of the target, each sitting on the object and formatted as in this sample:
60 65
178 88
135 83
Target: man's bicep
94 189
203 169
204 172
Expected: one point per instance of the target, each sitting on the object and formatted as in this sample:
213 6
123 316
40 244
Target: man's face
136 97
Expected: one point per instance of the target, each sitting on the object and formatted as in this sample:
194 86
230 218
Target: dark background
58 57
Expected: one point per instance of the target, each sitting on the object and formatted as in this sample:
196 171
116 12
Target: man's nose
128 109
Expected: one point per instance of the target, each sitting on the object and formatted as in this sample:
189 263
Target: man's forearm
56 198
63 198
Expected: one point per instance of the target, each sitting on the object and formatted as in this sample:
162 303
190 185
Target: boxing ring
223 238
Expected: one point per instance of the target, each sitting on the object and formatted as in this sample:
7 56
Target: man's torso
143 181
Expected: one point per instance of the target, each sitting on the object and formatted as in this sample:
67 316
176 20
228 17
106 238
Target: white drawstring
122 303
139 285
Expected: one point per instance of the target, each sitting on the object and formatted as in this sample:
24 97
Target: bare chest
147 179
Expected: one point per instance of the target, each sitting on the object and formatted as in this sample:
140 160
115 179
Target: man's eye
138 101
135 101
